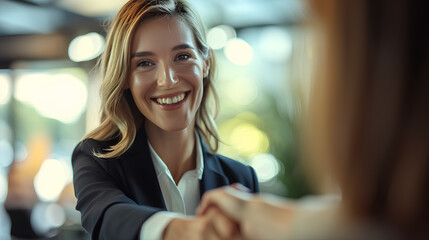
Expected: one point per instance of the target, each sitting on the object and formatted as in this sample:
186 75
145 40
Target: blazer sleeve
107 213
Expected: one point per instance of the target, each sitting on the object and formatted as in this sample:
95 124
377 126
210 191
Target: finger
208 199
217 197
229 200
221 198
210 234
240 187
224 227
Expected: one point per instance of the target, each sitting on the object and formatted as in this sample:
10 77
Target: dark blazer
116 196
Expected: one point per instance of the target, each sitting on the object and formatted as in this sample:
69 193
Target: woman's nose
167 77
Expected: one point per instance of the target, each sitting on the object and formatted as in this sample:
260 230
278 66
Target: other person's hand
259 216
212 225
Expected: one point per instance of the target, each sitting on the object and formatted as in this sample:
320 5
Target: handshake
232 212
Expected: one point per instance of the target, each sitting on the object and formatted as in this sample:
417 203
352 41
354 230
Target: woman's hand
213 225
258 216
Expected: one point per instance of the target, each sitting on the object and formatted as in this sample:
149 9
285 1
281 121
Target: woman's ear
206 69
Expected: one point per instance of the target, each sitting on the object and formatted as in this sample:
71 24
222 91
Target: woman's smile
170 98
171 101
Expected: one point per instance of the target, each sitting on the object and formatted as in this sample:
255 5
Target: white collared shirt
181 200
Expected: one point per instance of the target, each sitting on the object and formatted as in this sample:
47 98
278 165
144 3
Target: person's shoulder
89 147
92 145
238 172
233 167
229 162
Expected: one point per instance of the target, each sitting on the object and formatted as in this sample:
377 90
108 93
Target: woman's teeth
172 100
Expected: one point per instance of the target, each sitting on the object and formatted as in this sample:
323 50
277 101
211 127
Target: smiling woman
166 67
149 155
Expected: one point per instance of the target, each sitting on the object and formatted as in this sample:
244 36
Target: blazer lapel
138 163
213 176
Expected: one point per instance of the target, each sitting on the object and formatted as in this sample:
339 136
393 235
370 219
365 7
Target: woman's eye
144 64
183 57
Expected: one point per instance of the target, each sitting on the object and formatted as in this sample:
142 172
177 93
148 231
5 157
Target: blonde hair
119 114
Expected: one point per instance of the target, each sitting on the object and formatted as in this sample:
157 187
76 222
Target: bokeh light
5 89
47 216
275 44
248 91
266 166
21 151
247 139
238 52
3 185
58 96
6 156
218 36
51 179
86 47
6 148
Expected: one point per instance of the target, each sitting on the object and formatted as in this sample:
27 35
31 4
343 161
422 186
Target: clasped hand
232 212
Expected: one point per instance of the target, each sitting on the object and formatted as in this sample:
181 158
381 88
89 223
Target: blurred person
154 150
367 129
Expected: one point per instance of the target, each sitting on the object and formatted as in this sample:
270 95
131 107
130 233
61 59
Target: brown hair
371 108
119 114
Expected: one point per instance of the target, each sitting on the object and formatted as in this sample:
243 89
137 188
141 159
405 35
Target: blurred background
49 99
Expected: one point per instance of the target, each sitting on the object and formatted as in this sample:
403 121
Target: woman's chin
175 126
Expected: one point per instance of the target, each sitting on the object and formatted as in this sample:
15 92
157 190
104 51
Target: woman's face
167 73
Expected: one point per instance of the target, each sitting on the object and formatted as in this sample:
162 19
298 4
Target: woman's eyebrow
148 53
182 46
142 54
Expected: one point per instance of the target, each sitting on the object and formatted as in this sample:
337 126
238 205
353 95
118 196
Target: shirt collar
160 166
